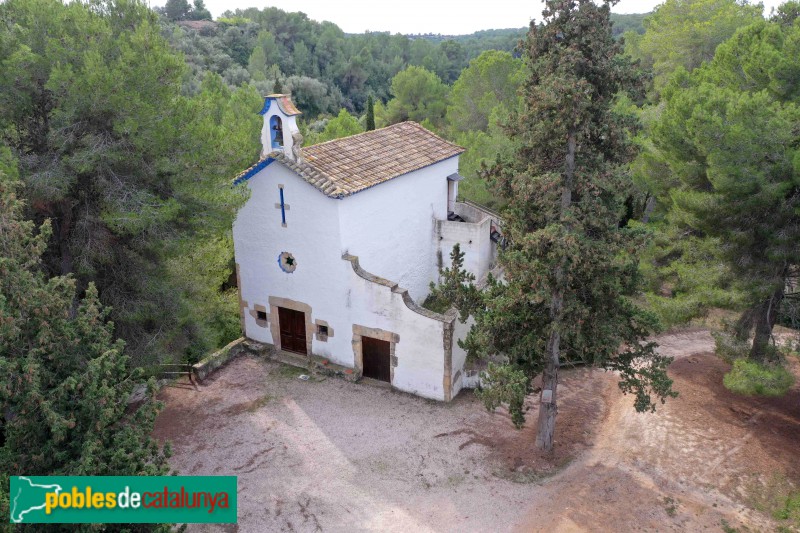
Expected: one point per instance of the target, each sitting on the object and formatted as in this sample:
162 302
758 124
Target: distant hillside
474 43
324 68
507 38
628 22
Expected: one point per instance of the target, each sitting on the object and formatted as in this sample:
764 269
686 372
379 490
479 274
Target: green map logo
29 497
122 499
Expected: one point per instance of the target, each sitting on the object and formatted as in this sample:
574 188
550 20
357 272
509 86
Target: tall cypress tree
570 270
370 114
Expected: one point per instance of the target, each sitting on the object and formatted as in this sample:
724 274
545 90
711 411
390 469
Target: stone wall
202 369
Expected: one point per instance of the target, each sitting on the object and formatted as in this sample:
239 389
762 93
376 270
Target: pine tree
370 114
132 174
419 94
177 9
342 125
456 287
687 32
199 11
571 269
64 380
728 134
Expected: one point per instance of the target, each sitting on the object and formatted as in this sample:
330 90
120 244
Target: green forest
121 127
124 139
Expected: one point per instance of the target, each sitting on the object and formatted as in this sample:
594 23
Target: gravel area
336 456
328 455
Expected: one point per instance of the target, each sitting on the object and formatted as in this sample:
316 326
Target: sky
419 16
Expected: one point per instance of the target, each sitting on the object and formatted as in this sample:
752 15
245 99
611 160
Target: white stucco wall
319 279
474 237
391 227
474 240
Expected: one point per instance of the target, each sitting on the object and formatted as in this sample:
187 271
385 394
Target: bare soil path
326 455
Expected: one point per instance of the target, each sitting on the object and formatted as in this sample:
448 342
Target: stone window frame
359 332
274 327
320 336
254 313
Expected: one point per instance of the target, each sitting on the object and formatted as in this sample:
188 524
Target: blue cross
283 207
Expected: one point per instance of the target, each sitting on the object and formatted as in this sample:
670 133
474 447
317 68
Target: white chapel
338 242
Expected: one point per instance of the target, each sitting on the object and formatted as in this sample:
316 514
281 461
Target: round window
287 262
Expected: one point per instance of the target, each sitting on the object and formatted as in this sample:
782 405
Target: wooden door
376 360
293 330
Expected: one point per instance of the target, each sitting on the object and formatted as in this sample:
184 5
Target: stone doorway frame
376 333
274 327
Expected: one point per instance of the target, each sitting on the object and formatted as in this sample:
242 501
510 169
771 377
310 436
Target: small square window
261 315
322 330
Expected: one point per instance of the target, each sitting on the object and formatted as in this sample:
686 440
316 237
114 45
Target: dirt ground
327 455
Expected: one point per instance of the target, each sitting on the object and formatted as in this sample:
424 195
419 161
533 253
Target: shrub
790 511
751 378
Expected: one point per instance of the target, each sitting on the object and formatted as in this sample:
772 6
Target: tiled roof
360 161
284 102
252 170
346 166
286 105
313 176
302 169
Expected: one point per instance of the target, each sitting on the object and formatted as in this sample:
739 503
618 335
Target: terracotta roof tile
361 161
346 166
285 104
